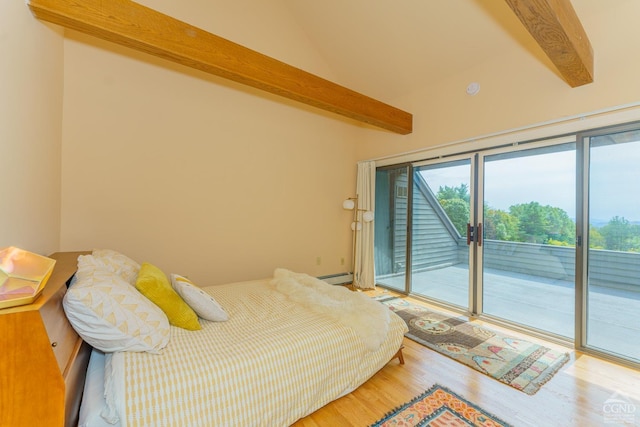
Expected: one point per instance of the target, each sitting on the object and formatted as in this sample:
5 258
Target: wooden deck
541 303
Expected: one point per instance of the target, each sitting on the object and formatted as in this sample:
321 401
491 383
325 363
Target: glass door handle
474 234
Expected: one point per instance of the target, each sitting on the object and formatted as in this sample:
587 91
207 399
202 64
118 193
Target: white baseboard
338 279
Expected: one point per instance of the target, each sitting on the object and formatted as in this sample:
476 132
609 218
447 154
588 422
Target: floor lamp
359 216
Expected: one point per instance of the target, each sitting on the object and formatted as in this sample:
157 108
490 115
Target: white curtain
364 266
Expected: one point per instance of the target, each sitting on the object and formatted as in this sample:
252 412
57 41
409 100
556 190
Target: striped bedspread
273 362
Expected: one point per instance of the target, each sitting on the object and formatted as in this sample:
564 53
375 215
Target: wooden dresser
42 360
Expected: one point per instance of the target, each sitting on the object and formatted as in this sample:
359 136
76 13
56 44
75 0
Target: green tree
531 222
542 224
450 193
455 202
620 235
500 225
560 227
458 212
526 222
596 239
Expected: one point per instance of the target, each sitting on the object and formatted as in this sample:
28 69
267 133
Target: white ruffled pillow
201 302
111 315
119 263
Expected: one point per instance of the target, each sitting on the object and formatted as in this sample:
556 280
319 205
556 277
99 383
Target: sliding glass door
442 209
528 256
613 254
392 215
542 235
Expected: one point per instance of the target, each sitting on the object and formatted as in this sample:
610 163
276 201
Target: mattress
275 360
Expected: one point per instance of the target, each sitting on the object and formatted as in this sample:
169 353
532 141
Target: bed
273 351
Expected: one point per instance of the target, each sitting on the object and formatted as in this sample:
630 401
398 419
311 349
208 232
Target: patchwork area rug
439 406
521 364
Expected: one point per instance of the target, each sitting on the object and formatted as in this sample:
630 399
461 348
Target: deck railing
613 269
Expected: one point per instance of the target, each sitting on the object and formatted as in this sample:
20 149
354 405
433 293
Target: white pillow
87 264
111 315
201 302
119 263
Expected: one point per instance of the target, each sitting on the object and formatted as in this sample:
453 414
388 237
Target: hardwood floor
575 396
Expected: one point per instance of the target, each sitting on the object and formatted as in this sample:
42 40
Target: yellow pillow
153 284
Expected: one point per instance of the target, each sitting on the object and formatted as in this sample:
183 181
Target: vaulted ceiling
387 48
381 48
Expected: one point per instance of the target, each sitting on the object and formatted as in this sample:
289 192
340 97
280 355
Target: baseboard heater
338 279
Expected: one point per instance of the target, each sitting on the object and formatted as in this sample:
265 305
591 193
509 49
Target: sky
615 181
549 179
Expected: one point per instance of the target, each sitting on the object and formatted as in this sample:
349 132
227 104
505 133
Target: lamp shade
348 204
367 216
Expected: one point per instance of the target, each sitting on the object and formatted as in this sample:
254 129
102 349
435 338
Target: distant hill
602 222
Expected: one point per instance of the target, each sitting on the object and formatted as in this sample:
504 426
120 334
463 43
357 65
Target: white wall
199 175
31 68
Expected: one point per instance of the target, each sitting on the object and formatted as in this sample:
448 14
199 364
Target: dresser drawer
62 336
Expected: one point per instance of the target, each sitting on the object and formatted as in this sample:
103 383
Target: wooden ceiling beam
557 29
138 27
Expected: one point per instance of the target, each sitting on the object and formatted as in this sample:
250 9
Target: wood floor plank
575 396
